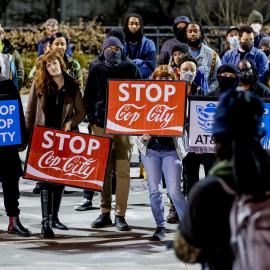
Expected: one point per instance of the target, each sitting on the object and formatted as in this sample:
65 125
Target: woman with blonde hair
163 154
54 101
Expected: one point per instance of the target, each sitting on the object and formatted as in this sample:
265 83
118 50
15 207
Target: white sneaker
84 205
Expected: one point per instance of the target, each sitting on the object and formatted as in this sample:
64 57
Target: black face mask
195 43
137 37
181 35
247 46
226 83
247 77
266 52
112 59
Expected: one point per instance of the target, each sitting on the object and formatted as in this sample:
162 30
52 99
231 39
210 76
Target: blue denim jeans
154 162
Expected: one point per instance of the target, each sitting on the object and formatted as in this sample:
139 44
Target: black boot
15 227
57 198
46 206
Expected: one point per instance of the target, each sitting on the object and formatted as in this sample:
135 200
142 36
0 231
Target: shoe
172 216
121 224
159 234
103 220
113 200
83 205
37 188
57 224
1 188
142 172
15 227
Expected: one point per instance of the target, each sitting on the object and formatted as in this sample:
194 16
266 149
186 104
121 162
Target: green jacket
9 49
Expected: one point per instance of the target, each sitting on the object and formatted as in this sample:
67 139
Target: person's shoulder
149 43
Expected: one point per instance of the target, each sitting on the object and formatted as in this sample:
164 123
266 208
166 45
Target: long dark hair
58 35
126 29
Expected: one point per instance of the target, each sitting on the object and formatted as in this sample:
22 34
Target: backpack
250 230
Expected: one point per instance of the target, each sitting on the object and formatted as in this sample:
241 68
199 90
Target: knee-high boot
57 198
46 206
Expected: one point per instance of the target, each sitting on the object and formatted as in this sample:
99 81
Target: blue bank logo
206 116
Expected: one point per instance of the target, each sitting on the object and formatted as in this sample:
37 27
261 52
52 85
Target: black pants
11 196
191 168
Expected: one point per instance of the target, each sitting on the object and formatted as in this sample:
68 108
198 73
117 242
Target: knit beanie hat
255 16
186 58
111 41
182 47
265 42
118 33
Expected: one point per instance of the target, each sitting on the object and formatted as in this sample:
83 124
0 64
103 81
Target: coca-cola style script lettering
69 158
139 107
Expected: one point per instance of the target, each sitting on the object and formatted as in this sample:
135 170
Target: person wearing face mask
207 59
232 38
163 154
250 79
95 103
246 50
255 20
179 28
178 52
141 50
265 47
228 78
187 68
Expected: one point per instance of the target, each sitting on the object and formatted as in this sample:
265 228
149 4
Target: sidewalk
82 247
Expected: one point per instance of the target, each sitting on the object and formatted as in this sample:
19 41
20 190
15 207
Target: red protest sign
69 158
139 107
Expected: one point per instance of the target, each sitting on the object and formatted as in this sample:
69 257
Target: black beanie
118 33
182 47
185 58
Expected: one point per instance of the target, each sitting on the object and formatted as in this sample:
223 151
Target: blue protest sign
10 130
266 125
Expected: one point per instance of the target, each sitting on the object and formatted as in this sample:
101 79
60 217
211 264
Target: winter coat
8 68
256 56
73 108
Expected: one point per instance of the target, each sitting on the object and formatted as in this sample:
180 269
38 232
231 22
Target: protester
139 48
177 53
246 50
232 38
255 20
11 169
264 46
179 29
162 154
250 79
51 29
187 68
58 43
8 48
95 103
53 91
204 234
228 78
207 59
8 68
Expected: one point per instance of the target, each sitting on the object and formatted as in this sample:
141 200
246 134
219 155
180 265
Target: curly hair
44 81
163 71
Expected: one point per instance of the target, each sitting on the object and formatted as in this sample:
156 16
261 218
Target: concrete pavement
82 247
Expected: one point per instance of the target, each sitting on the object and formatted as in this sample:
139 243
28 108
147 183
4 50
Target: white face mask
188 76
234 41
256 27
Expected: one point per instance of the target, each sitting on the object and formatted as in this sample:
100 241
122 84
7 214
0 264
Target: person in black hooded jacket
228 78
179 29
11 169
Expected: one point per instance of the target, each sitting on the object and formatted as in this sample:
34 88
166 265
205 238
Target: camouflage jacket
72 69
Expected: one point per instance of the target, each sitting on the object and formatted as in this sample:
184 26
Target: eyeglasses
110 49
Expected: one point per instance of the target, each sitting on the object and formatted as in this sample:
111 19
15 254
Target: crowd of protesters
128 55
